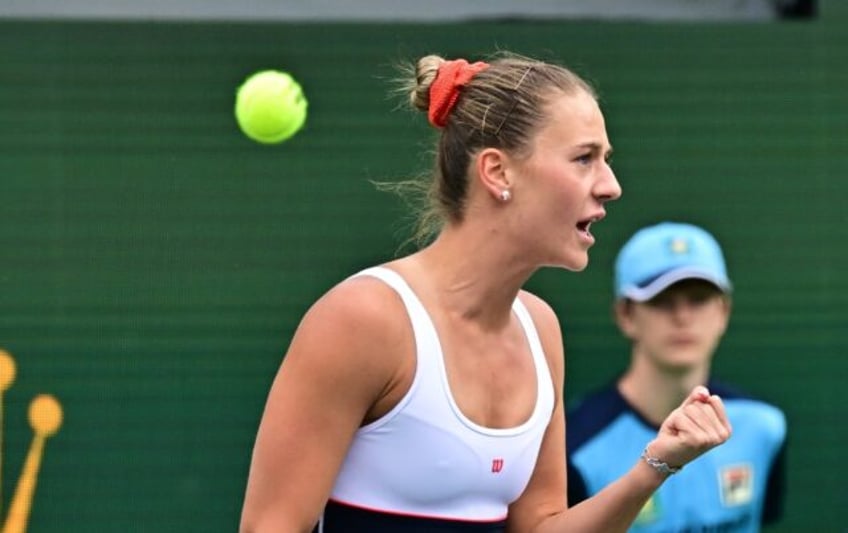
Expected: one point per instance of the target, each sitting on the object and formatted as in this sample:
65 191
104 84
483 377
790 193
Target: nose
682 310
607 188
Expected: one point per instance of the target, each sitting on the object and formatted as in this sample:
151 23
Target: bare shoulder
355 320
352 347
361 301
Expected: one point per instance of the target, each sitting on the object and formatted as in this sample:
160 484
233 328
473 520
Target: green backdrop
154 262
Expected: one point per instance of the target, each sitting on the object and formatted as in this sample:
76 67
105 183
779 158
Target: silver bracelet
658 465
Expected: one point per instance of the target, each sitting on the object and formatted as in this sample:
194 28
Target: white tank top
425 458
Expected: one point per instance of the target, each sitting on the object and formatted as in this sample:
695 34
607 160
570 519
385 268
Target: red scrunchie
445 88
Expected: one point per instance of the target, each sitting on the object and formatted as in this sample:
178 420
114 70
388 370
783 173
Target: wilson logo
497 466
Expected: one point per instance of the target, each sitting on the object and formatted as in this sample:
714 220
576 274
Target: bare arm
341 360
698 425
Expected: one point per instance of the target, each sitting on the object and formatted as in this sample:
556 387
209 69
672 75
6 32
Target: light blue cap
657 256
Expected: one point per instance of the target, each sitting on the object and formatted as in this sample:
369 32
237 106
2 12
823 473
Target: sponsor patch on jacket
737 484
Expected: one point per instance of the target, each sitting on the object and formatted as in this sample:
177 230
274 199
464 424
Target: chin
579 261
685 363
573 263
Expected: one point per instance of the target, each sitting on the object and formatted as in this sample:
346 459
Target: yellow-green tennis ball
270 106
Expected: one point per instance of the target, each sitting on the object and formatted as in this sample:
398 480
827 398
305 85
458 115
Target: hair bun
426 70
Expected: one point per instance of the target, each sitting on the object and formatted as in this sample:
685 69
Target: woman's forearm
611 510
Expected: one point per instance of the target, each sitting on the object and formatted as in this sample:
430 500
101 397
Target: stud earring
506 195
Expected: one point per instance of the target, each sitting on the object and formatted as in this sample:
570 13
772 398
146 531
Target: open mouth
584 226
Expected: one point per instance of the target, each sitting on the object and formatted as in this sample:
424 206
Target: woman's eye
584 159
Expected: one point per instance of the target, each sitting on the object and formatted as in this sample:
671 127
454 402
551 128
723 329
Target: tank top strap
543 374
428 347
394 280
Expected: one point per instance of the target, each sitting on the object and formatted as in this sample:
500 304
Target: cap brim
642 294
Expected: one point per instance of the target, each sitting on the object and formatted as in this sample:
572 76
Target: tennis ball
270 106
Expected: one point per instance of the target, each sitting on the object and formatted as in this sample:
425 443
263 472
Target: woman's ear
491 165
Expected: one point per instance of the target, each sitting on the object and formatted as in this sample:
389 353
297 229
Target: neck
472 275
655 392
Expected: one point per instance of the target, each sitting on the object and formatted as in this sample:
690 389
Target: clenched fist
696 426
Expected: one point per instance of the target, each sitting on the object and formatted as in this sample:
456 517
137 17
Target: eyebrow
595 147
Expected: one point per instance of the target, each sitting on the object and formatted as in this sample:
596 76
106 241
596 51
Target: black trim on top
341 518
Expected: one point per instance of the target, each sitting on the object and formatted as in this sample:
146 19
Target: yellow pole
45 417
